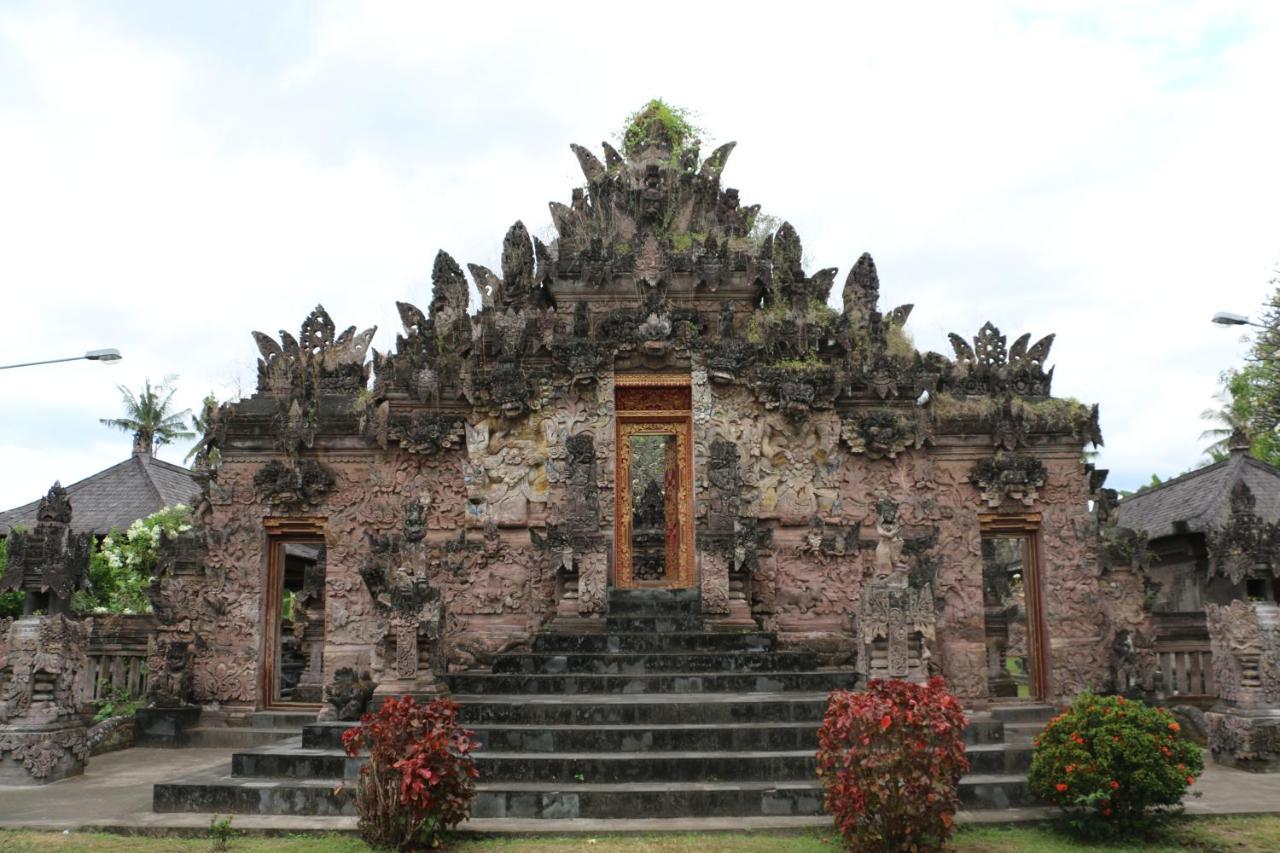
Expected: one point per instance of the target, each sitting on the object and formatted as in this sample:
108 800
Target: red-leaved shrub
890 759
419 777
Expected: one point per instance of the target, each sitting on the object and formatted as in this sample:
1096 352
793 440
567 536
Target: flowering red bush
890 760
1114 765
419 778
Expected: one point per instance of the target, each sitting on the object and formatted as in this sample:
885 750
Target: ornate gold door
654 483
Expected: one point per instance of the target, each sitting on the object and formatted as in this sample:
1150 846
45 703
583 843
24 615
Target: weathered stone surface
1244 727
164 727
481 464
43 736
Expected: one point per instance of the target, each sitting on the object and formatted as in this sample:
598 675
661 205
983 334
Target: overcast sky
174 175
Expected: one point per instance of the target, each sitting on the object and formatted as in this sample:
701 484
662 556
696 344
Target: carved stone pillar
42 659
895 632
42 734
413 609
1244 727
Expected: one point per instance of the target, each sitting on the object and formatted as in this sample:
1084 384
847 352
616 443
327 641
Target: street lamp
103 355
1226 318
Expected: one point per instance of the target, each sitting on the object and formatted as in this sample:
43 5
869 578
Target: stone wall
477 469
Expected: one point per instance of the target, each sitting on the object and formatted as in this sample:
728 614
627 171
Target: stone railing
117 651
1184 658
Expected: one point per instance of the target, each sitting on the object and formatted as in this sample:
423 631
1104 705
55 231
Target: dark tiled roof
117 496
1203 497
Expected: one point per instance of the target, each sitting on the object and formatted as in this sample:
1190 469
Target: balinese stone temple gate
660 398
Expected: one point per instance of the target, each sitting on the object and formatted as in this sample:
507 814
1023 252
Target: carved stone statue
347 697
889 568
896 621
1244 727
171 686
414 611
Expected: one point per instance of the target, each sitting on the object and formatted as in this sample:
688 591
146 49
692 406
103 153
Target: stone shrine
662 397
43 735
638 512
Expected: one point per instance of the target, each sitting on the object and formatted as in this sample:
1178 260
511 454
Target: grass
1239 833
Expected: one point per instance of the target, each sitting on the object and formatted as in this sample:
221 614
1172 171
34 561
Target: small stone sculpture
347 697
171 686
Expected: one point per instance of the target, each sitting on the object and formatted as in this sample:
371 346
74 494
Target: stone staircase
263 727
657 718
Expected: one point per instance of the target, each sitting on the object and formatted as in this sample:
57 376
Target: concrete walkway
114 794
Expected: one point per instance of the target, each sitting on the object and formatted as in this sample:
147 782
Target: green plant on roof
658 123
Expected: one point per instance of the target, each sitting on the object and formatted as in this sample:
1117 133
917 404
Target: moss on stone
1053 414
808 361
1049 415
899 344
949 406
658 123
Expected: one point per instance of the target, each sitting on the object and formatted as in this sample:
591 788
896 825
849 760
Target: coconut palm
150 417
200 424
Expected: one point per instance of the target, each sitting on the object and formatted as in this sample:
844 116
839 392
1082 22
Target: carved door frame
1027 526
279 532
653 404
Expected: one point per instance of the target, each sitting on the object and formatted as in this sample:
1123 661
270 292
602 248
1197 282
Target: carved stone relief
481 463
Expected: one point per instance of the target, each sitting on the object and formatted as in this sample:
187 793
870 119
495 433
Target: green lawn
1260 833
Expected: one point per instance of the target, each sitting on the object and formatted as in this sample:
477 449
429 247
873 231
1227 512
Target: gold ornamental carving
679 427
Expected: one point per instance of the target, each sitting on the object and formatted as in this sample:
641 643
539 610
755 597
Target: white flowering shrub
124 564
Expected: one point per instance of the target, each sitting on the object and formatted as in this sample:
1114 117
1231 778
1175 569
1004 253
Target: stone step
647 641
655 594
649 605
592 829
608 767
701 799
234 737
634 664
716 760
652 624
293 761
669 708
290 720
998 758
482 683
653 799
700 766
1024 712
217 791
662 738
325 735
545 737
996 791
1022 732
981 729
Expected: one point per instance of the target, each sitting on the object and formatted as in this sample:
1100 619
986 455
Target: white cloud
1108 175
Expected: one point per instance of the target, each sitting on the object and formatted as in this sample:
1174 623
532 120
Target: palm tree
150 417
200 424
1234 417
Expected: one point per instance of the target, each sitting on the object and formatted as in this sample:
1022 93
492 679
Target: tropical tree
1234 414
150 416
200 424
1251 394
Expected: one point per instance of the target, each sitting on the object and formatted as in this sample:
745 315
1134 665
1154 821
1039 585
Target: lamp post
103 355
1226 318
